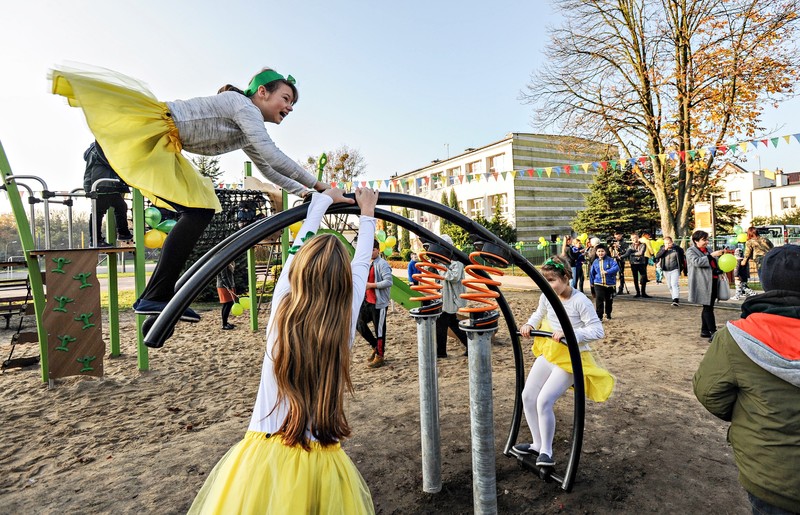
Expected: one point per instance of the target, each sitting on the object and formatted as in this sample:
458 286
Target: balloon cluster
657 244
583 237
741 236
240 305
543 243
386 243
154 238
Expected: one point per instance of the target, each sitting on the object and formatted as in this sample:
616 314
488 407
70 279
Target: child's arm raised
367 199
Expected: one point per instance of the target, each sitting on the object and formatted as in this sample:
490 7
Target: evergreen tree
460 236
405 239
208 167
617 202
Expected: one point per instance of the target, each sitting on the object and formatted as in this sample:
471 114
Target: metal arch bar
213 262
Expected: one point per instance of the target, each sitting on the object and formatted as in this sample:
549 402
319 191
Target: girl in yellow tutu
551 374
290 460
143 138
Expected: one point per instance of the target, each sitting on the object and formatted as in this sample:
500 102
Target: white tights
546 383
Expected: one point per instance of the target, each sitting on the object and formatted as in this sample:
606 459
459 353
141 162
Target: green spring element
295 248
83 278
85 361
84 317
65 340
62 301
60 262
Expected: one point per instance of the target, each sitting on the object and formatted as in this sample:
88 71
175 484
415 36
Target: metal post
430 433
481 410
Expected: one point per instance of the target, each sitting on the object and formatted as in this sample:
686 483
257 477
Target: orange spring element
428 277
478 283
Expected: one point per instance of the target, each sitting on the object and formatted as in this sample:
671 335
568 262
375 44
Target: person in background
374 307
603 276
580 258
755 248
672 261
591 255
637 254
107 195
226 290
703 280
412 269
616 249
750 377
741 276
452 288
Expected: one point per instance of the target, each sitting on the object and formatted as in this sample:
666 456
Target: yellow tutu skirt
598 382
137 135
261 475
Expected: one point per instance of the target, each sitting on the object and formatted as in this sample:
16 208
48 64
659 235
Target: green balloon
737 229
380 235
726 262
388 251
152 216
166 226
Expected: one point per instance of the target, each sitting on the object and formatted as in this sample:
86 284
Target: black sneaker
545 461
524 449
675 302
705 334
637 295
608 317
646 296
228 327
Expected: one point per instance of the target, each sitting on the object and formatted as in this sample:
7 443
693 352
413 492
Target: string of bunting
674 156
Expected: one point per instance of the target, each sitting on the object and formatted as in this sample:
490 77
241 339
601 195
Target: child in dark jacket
603 275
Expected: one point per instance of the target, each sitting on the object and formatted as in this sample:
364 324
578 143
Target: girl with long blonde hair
290 460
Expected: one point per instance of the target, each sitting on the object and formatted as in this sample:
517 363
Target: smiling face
275 105
601 253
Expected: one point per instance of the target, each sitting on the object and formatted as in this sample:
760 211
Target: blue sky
402 83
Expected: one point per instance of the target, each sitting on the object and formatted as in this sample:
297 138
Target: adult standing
750 377
107 195
703 280
617 248
373 309
755 248
452 288
637 254
673 262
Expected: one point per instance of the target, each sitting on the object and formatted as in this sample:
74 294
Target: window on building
735 196
454 173
423 184
496 163
437 181
475 207
500 201
474 167
788 202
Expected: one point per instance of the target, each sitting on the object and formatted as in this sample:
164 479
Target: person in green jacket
750 376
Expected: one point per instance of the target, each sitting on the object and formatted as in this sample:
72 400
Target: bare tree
208 167
344 164
657 77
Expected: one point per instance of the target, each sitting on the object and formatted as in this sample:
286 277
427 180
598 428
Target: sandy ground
144 442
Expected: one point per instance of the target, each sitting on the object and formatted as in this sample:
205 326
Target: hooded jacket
750 376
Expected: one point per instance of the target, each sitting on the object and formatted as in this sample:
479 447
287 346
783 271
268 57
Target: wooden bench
15 296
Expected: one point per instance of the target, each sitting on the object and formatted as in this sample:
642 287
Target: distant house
537 181
762 193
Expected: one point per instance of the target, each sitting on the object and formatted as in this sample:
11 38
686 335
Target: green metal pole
139 275
113 293
34 273
252 286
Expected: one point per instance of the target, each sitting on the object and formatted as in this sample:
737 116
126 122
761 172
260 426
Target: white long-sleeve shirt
229 121
265 419
581 314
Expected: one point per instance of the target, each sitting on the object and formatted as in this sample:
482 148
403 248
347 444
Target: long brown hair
312 351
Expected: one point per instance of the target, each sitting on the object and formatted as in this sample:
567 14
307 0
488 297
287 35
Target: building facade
762 193
537 182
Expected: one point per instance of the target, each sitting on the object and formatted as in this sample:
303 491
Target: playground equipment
210 264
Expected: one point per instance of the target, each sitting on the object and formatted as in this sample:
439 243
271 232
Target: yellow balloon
294 228
382 245
237 309
391 241
245 302
741 237
154 239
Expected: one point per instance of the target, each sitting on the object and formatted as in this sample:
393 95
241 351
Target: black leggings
226 311
103 202
176 250
443 323
708 322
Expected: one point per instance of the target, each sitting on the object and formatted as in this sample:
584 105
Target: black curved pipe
216 259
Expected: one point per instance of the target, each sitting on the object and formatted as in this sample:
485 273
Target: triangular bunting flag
712 151
765 142
692 153
504 174
662 158
557 169
348 185
797 137
702 153
567 169
733 148
722 148
682 155
672 155
774 142
513 173
530 172
613 164
548 171
743 146
335 184
643 160
786 138
539 172
585 167
604 165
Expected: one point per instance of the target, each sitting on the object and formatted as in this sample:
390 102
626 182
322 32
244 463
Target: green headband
554 264
264 78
